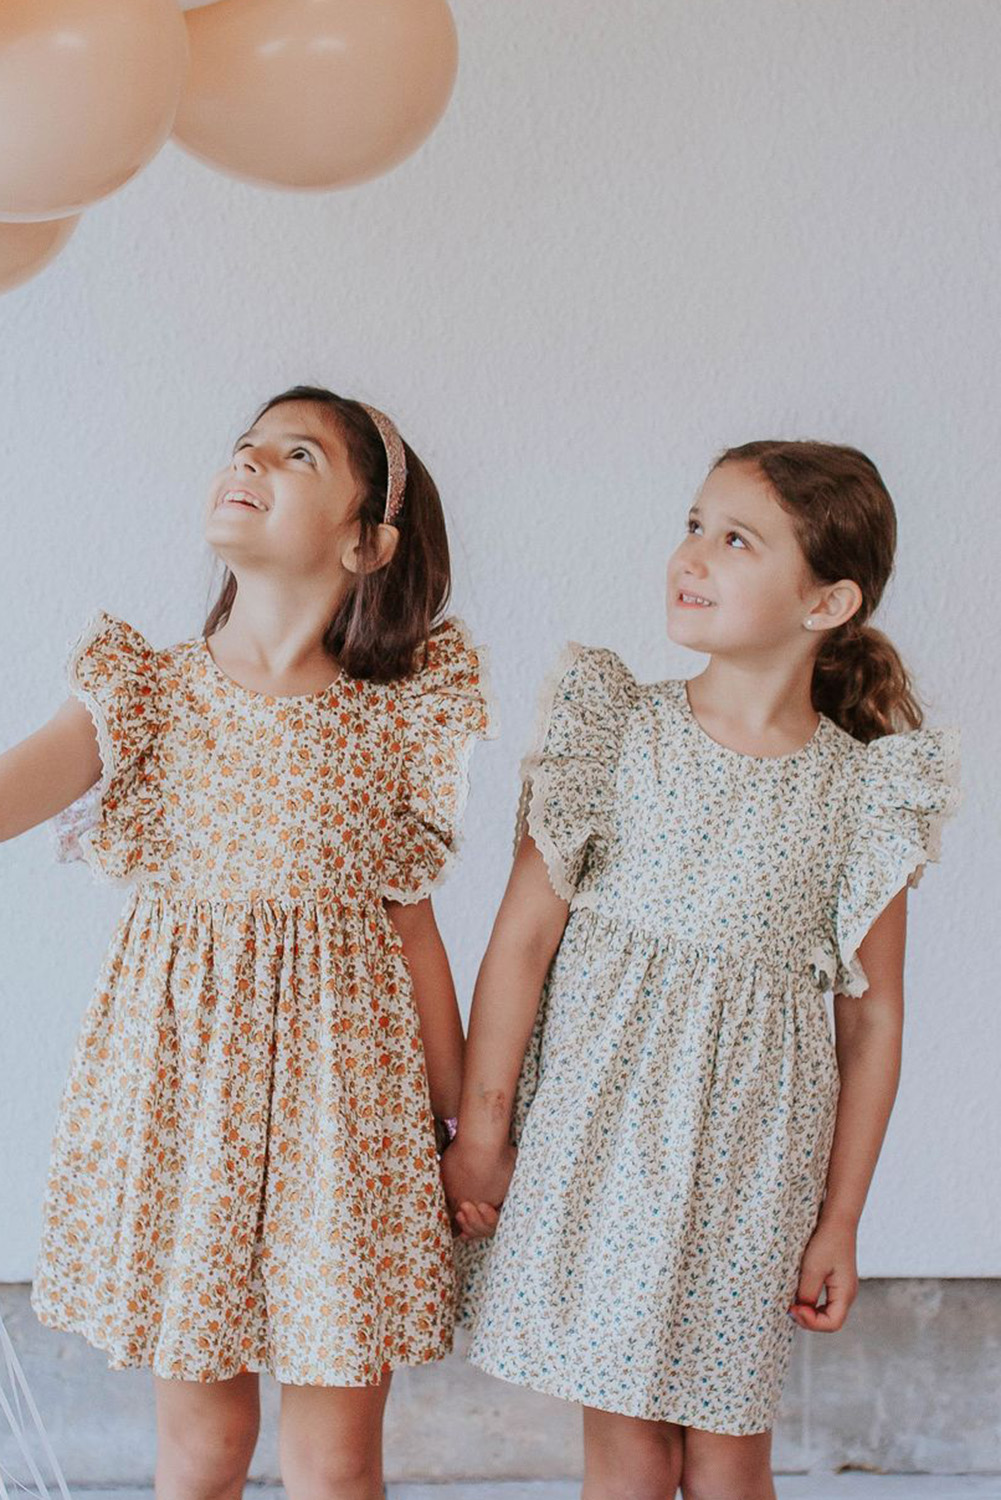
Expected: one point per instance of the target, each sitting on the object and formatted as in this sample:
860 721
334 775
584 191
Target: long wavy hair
847 528
381 627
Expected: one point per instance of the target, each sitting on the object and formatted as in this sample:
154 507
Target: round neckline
743 754
224 677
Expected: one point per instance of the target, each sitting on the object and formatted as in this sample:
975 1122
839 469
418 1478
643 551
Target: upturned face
738 582
288 498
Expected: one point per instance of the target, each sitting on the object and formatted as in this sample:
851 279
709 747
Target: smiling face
287 501
739 581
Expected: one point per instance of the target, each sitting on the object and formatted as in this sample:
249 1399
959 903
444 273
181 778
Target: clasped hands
476 1179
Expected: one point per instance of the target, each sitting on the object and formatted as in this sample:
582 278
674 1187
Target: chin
221 544
688 632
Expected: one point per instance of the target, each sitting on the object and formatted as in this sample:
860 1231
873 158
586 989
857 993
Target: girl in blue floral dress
652 1090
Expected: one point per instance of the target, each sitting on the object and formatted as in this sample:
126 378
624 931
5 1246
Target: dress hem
549 1385
255 1365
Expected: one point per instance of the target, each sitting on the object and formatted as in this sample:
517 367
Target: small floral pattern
676 1104
244 1173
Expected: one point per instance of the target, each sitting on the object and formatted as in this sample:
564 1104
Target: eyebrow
734 521
292 437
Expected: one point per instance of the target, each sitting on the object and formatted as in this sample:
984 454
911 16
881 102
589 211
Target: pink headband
396 462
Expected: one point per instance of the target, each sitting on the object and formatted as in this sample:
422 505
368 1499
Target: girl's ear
836 605
383 550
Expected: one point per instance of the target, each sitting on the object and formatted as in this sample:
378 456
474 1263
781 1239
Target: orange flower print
243 1175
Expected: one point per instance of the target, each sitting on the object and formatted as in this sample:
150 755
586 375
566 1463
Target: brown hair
385 619
847 528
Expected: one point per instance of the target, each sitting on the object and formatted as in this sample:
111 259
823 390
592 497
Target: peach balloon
88 93
26 249
315 93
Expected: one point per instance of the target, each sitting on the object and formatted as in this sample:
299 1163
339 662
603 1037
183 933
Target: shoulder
913 763
902 789
109 633
449 645
450 681
585 704
110 636
111 651
592 675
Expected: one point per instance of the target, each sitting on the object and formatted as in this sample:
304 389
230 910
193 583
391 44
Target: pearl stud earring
809 623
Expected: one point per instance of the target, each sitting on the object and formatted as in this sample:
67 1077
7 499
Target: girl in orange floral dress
244 1173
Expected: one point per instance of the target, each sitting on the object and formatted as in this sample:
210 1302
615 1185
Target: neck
278 627
763 703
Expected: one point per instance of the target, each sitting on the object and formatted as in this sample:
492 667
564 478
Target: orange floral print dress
244 1173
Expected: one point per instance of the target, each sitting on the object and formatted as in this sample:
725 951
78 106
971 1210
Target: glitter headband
396 462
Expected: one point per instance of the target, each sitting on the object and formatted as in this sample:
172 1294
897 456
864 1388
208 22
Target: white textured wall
644 230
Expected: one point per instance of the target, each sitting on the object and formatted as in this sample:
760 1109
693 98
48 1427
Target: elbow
410 917
863 1037
533 951
9 829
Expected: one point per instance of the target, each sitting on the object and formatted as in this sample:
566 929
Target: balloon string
17 1386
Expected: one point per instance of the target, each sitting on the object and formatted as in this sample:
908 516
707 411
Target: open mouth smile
242 497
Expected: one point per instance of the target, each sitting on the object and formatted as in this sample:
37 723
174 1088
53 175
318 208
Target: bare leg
718 1467
628 1458
331 1441
206 1434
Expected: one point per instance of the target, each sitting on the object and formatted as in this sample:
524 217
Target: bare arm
434 994
525 936
868 1032
44 773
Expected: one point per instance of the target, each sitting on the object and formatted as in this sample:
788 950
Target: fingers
811 1282
829 1316
477 1221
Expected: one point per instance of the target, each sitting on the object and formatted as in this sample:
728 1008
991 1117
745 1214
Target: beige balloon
315 94
88 93
26 249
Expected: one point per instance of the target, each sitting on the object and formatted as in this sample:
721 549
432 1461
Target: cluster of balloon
88 94
315 94
299 94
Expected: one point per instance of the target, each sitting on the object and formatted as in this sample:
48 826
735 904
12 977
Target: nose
692 560
246 459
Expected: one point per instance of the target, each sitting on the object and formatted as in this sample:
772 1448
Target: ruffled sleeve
568 776
113 670
440 712
908 786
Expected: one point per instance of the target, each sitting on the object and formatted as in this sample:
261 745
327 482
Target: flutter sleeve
568 775
908 786
113 670
441 710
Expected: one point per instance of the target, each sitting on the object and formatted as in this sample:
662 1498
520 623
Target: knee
648 1471
720 1492
652 1482
351 1474
726 1484
206 1460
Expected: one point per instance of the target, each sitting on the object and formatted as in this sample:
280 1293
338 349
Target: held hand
828 1262
476 1221
476 1183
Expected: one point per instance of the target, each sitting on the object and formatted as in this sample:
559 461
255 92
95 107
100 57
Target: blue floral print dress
677 1100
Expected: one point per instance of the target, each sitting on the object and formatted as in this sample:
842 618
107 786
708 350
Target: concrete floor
789 1487
912 1387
